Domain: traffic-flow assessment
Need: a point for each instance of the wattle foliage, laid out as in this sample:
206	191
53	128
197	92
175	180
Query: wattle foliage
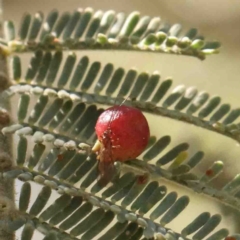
54	107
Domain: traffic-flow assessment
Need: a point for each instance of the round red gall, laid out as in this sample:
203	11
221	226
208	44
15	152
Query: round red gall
123	132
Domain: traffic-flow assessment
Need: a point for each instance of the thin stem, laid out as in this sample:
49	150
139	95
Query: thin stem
22	47
161	111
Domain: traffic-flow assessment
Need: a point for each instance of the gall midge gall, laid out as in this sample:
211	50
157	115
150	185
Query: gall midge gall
60	157
209	172
230	238
123	134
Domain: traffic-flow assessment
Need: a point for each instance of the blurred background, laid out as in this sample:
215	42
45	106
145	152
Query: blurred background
218	74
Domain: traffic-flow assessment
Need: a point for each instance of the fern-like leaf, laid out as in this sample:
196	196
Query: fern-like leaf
86	29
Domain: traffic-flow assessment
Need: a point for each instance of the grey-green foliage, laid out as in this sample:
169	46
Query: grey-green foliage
54	113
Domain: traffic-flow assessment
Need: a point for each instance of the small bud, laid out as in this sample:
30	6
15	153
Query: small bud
85	147
70	145
15	46
197	44
63	94
50	92
102	39
171	41
113	41
150	39
161	36
58	143
184	43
